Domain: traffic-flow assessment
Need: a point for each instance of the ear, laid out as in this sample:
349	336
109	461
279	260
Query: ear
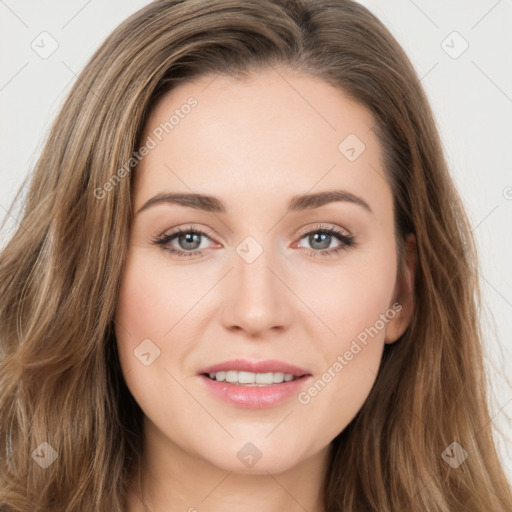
403	293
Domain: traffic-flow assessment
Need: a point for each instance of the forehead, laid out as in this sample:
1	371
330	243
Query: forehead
276	130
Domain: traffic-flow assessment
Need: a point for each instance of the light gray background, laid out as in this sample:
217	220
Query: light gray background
471	95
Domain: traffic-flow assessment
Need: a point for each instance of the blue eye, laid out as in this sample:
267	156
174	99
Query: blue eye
323	236
189	237
189	240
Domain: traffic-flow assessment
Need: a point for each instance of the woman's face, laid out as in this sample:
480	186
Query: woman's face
260	278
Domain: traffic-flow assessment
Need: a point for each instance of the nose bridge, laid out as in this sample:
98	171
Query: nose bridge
252	262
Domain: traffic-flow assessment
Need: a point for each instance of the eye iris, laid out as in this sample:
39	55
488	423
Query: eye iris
188	238
323	245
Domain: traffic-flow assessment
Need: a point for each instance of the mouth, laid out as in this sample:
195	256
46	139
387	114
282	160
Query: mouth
254	385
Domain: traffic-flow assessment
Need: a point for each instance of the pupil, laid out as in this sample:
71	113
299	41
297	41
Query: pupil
323	244
189	239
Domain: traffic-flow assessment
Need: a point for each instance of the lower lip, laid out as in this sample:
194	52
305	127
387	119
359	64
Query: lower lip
254	397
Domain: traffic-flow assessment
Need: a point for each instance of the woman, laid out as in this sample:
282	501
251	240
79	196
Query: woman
246	370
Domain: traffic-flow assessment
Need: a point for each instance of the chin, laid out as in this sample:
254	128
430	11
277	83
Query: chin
256	458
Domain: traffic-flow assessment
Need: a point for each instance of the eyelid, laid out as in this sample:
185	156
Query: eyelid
186	229
320	226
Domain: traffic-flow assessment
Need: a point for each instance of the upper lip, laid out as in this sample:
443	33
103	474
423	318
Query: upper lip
267	366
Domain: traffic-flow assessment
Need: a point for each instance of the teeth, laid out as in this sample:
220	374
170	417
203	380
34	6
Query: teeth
246	378
252	379
279	377
231	376
265	378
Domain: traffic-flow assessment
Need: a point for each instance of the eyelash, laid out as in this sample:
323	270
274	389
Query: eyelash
347	240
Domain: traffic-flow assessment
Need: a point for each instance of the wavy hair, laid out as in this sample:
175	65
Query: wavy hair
60	379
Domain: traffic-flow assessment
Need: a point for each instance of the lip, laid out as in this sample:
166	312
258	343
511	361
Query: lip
255	397
243	365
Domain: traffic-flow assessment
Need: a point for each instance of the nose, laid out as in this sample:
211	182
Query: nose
257	299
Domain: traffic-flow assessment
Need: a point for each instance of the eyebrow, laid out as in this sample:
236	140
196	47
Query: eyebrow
297	203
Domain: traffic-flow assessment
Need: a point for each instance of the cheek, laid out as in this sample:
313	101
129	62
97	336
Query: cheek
351	362
351	298
147	308
357	310
156	302
142	316
148	303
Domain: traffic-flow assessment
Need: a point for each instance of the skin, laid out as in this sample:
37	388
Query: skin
254	144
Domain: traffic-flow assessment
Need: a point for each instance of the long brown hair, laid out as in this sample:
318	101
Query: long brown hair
60	380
